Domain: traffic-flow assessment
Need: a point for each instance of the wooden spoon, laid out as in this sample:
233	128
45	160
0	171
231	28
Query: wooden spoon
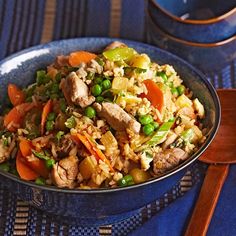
219	155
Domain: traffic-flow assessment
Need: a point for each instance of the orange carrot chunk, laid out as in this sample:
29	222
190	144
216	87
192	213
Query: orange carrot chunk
13	120
46	110
154	94
24	170
15	94
25	147
76	58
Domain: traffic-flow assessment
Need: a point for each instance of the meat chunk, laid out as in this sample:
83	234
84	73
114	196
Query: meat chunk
61	61
64	147
115	44
76	91
168	159
64	172
116	117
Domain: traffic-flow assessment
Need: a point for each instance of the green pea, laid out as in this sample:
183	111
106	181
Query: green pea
146	119
63	106
96	90
5	167
148	129
181	89
122	182
51	116
99	99
163	75
175	91
155	125
106	84
98	80
90	112
49	163
40	181
49	125
128	178
125	181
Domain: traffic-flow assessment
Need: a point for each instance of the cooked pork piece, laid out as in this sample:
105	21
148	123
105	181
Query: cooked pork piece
168	159
64	172
115	44
117	118
61	61
76	91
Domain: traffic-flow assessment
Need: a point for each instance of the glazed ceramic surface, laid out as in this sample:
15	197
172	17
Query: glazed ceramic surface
196	20
206	57
101	206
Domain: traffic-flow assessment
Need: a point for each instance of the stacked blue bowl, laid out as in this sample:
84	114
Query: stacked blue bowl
202	32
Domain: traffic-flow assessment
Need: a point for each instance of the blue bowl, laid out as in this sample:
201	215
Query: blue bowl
198	21
101	206
208	57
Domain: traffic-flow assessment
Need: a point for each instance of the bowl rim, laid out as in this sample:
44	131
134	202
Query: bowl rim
190	43
194	22
169	173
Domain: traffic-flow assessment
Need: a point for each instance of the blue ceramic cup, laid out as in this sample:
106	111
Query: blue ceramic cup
201	21
208	57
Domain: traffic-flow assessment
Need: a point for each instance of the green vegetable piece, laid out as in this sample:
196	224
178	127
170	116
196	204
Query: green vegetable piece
90	112
187	135
163	75
148	129
96	90
58	77
125	181
98	80
90	76
100	61
49	163
63	105
106	84
175	92
51	116
146	119
42	77
49	125
119	54
5	166
99	99
40	181
128	178
181	89
40	155
70	122
59	135
55	88
155	125
160	134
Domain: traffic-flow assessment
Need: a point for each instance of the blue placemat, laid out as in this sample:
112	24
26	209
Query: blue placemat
18	218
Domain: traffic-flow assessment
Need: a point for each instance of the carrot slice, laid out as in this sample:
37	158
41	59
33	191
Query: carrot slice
46	110
91	146
15	94
38	166
35	164
16	115
25	147
24	170
81	138
76	58
154	94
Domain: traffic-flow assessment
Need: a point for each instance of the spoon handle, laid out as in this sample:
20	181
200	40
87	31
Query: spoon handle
207	200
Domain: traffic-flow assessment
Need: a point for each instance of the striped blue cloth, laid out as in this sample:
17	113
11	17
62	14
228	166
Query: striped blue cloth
24	23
